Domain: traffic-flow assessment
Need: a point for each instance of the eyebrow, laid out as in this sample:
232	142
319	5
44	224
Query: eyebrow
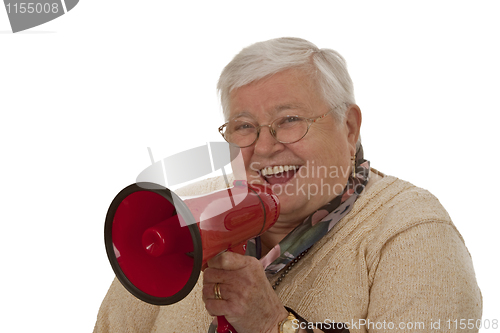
289	106
241	114
276	110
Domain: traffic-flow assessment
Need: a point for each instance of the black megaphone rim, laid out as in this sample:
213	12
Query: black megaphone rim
180	208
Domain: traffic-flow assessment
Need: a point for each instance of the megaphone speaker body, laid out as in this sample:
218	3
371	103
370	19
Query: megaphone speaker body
158	244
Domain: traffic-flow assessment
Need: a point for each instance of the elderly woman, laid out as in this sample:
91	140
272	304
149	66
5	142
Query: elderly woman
351	245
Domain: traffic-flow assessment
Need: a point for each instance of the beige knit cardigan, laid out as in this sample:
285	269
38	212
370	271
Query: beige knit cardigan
395	263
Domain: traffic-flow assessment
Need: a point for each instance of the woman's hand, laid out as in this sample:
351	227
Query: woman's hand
248	301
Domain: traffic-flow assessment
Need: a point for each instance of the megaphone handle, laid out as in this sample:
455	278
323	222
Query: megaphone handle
223	326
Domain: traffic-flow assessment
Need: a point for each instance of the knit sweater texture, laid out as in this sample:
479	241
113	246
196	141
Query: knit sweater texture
395	263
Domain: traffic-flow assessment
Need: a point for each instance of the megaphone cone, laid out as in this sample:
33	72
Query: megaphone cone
157	244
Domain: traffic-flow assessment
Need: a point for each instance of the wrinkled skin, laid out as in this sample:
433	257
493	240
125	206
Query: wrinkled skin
249	302
254	308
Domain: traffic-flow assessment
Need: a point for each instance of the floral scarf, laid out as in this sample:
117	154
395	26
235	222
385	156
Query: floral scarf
316	225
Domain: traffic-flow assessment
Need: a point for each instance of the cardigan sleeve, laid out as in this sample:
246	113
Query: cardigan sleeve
120	311
424	281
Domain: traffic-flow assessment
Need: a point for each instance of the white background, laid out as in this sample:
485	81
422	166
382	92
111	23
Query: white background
83	96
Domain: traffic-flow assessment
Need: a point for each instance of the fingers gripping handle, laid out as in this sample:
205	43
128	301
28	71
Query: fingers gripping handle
223	326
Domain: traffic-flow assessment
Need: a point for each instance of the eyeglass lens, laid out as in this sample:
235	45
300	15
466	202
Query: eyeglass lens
286	130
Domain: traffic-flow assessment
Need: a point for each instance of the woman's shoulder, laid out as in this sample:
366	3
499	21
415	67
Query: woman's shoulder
401	197
392	205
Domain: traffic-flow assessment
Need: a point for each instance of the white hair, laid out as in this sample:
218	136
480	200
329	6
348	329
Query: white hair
326	67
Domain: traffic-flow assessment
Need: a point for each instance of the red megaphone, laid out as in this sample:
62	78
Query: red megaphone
157	243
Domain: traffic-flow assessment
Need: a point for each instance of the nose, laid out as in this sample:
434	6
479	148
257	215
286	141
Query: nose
266	143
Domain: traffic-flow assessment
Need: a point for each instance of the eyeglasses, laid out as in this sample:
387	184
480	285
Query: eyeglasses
287	129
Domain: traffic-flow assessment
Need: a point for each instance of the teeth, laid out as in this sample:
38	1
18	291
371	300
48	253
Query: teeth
277	169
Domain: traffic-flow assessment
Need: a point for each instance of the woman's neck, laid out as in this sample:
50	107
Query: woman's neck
274	235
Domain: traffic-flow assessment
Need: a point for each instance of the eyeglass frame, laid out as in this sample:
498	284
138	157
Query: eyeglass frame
310	121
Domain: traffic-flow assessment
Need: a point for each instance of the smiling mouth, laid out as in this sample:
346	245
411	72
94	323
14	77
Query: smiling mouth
279	174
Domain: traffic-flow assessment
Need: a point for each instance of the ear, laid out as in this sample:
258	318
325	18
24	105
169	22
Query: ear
353	124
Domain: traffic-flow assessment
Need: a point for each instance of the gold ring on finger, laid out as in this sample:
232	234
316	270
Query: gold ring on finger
217	291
